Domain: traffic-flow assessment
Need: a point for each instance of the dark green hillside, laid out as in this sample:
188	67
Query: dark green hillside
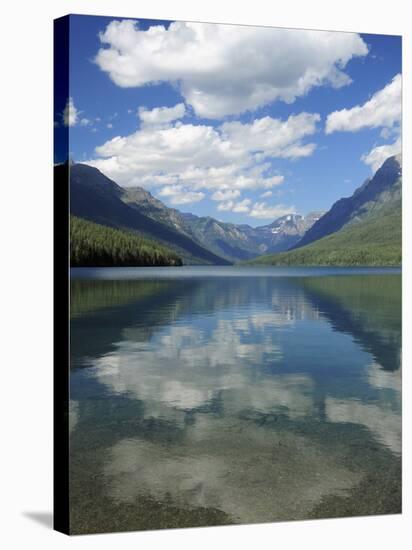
374	241
95	245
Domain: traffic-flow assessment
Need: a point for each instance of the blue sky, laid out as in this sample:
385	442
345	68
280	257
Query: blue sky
258	122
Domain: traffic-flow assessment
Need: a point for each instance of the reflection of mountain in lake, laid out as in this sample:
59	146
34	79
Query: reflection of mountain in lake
101	310
141	306
368	308
223	400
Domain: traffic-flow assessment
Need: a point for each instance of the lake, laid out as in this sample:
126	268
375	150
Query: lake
214	395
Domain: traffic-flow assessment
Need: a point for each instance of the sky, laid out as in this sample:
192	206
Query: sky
244	124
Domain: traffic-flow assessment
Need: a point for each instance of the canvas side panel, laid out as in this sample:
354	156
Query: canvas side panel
61	277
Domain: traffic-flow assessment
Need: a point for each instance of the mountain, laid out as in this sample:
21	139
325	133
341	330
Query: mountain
237	242
234	242
372	234
223	239
286	231
231	241
145	203
196	239
96	198
382	189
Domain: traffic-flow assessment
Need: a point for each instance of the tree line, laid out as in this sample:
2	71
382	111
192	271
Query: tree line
95	245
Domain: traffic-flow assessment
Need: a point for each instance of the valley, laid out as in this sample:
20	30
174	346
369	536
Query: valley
363	229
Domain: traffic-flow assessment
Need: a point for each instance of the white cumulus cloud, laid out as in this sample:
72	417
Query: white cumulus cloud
383	109
242	207
226	194
259	210
274	137
226	69
70	113
225	160
377	156
179	195
162	115
85	122
265	212
225	206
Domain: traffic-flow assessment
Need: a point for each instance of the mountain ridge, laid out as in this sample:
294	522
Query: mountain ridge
229	240
372	234
204	239
368	196
95	197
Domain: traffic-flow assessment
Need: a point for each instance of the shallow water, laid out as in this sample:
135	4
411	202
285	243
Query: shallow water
204	396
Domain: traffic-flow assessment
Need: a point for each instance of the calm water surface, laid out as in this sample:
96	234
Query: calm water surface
204	396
